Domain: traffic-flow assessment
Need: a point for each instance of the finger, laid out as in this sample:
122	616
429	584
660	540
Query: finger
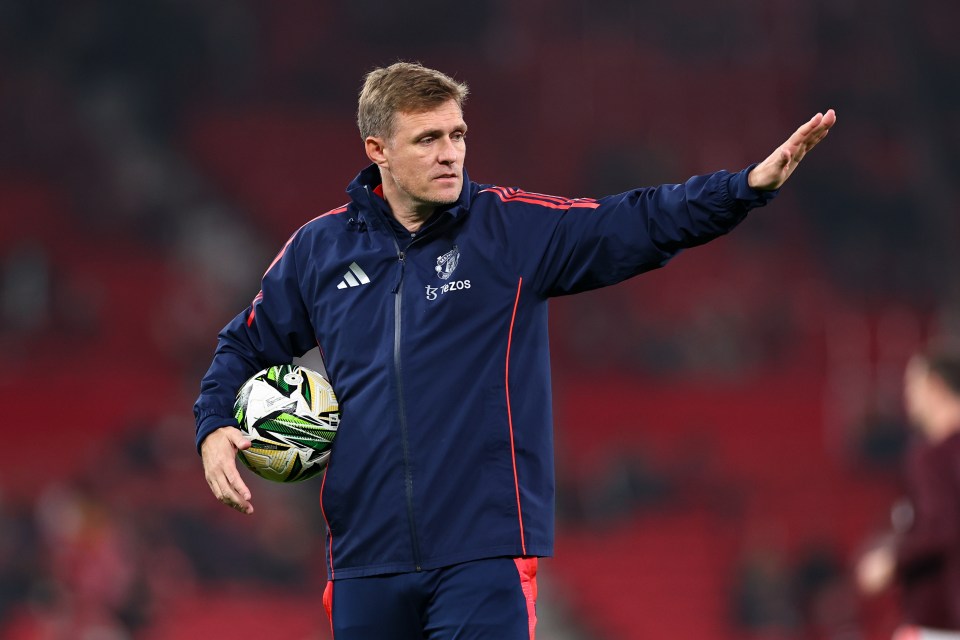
233	488
231	497
813	140
214	488
829	118
826	122
237	484
814	127
229	467
803	140
811	144
820	130
228	487
816	140
808	127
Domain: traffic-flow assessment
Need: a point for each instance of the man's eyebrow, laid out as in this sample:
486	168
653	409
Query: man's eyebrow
436	133
432	133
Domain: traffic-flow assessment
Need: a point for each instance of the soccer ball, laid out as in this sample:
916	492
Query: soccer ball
290	415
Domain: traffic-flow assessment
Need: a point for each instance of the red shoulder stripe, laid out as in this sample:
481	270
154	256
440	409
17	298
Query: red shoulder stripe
550	202
253	308
532	194
332	212
279	255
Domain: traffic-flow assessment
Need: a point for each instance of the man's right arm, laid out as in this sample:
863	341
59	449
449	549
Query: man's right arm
274	329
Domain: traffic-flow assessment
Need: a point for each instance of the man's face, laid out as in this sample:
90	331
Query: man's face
425	156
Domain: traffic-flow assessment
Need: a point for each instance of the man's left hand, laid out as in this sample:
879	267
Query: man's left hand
774	171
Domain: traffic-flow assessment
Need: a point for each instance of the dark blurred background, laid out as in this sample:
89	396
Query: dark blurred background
729	429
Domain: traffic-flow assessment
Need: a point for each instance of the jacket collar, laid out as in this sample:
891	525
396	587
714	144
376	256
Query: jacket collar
361	190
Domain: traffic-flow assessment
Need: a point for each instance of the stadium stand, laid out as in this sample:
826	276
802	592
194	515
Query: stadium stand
738	382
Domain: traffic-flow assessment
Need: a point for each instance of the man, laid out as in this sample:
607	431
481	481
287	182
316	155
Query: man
426	294
923	555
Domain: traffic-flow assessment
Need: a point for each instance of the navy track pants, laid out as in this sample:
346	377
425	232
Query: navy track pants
494	598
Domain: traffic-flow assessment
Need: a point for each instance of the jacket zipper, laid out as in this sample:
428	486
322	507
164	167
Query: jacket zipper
401	406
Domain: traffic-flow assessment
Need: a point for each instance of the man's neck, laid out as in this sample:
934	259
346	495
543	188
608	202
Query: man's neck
411	215
414	220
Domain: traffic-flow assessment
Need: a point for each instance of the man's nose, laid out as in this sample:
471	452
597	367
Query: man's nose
448	151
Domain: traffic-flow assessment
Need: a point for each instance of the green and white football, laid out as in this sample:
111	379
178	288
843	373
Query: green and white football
290	415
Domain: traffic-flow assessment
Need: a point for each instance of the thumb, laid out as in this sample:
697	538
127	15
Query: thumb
239	440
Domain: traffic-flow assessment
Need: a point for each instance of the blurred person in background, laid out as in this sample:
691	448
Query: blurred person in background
427	296
921	557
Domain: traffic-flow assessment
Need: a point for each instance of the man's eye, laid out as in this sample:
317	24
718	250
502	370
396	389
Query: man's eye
426	140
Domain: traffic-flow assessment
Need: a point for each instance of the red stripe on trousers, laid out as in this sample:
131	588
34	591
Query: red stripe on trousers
527	568
328	603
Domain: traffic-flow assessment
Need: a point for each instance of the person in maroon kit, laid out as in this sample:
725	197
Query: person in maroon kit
922	556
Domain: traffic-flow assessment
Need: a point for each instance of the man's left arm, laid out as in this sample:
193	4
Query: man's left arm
596	243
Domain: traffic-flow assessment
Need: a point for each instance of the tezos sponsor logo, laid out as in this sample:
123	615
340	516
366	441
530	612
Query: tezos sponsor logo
456	285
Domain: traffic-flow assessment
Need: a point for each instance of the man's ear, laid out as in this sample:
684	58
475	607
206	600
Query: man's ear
375	150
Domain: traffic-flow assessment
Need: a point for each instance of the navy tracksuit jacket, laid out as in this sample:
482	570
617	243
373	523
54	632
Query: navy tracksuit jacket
436	346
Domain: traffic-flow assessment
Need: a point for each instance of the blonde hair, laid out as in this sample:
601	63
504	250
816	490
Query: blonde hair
407	87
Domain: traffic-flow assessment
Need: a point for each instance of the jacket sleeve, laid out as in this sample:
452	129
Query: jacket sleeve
273	330
586	244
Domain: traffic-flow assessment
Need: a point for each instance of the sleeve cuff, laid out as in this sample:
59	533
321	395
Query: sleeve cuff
211	423
739	190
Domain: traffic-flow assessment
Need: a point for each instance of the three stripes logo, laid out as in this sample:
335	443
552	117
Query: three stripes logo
354	277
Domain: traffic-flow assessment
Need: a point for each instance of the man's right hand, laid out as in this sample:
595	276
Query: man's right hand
219	454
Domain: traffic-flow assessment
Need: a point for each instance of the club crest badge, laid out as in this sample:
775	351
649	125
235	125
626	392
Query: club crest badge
447	263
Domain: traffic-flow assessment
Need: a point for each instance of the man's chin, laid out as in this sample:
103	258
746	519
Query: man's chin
444	199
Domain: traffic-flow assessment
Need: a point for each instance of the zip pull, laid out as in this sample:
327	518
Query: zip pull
402	259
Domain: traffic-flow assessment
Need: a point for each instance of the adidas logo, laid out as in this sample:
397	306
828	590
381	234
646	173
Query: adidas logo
354	277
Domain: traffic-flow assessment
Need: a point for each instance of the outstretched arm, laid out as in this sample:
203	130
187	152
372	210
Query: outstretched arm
779	165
